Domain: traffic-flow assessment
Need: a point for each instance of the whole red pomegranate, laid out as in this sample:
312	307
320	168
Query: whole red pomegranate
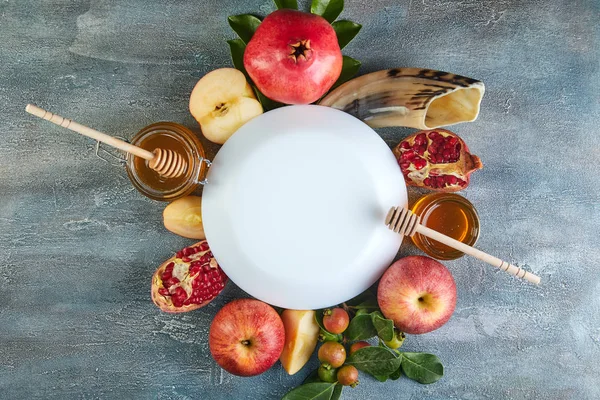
293	57
189	280
437	159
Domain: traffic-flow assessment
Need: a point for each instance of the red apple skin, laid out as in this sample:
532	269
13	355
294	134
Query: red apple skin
267	57
410	279
246	337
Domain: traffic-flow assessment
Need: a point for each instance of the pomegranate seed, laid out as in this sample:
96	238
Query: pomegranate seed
453	141
408	155
179	254
194	270
205	278
188	251
405	145
170	282
405	165
434	135
420	163
164	292
177	302
166	275
205	258
433	149
421	139
186	259
203	246
451	179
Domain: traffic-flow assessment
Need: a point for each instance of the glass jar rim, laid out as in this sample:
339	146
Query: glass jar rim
192	146
435	200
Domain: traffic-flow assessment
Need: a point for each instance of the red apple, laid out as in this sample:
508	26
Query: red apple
293	57
418	293
246	337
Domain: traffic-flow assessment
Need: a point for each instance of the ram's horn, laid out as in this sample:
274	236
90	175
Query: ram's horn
413	97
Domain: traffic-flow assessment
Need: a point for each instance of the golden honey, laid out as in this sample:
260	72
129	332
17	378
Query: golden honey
166	135
450	214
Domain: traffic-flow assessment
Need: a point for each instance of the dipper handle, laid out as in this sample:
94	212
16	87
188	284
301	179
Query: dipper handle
407	223
89	132
167	163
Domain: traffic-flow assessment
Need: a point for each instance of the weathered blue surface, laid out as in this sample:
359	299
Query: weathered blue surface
78	245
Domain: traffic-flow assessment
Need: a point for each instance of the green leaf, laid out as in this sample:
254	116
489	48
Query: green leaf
244	25
311	391
319	319
381	378
345	31
293	4
376	361
312	377
422	367
350	68
366	305
266	102
385	327
396	374
337	392
360	328
367	297
328	9
237	47
326	336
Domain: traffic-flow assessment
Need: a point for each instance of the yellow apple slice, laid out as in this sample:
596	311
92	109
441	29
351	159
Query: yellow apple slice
183	217
301	335
221	102
221	123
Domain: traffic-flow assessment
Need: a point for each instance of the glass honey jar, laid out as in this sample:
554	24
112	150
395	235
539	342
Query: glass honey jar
172	136
450	214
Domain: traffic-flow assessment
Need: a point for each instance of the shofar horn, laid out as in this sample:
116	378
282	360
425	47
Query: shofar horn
413	97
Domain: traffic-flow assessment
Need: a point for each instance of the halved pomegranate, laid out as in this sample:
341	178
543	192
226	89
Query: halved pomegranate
189	280
437	159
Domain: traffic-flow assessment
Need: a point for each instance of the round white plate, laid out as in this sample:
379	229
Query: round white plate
295	205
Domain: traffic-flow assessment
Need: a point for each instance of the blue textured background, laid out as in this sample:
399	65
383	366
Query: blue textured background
78	244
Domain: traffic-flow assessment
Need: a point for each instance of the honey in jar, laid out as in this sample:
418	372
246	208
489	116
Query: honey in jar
450	214
172	136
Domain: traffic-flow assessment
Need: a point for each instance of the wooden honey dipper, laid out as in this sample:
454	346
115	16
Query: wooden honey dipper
167	163
407	223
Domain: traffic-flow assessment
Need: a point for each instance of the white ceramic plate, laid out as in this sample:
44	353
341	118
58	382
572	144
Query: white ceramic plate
295	204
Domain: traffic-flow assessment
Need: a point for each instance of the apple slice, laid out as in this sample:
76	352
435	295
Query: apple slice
183	217
221	102
301	335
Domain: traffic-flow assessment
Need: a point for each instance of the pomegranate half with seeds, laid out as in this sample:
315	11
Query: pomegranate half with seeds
189	280
436	159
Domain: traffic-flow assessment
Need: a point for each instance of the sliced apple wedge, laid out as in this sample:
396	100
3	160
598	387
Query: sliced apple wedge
183	217
221	102
301	335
